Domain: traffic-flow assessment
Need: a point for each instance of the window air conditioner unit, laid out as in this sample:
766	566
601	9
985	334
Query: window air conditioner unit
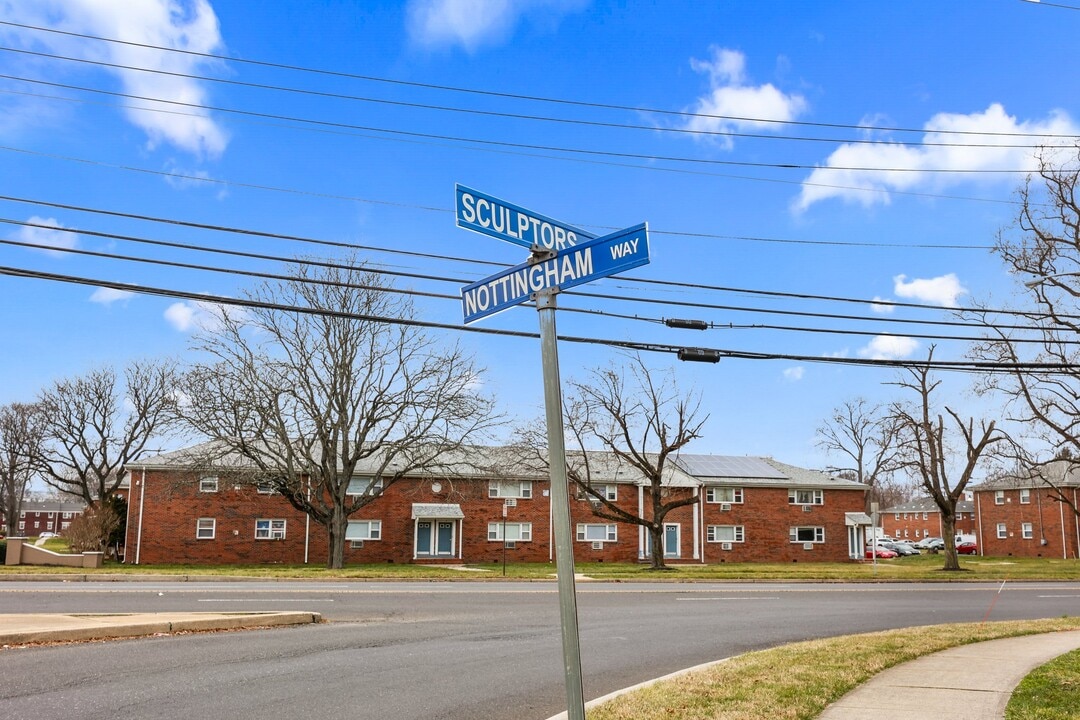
598	545
808	546
807	508
725	546
510	502
357	544
725	507
510	544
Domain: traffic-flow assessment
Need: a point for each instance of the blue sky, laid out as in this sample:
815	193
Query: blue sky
761	206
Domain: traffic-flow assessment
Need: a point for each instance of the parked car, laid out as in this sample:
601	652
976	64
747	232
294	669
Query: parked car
48	535
883	553
967	548
928	543
902	548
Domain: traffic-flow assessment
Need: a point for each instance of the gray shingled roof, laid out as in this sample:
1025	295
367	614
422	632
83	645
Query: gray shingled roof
926	504
1062	473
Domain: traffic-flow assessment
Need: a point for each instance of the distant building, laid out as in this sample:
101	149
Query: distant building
41	516
921	518
1022	515
750	509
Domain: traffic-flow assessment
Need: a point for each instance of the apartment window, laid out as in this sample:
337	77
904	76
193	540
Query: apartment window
269	529
1027	530
364	485
1025	496
67	516
265	488
597	533
359	530
723	495
725	533
905	532
905	516
208	484
1002	532
65	526
36	524
999	497
510	489
204	528
925	516
806	497
608	492
896	516
511	531
807	534
22	525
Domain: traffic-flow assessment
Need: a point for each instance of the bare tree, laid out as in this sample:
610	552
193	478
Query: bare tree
1042	250
312	400
628	415
868	436
20	443
926	452
95	424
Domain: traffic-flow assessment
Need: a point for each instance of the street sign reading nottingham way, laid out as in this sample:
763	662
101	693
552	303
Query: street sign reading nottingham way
582	263
489	215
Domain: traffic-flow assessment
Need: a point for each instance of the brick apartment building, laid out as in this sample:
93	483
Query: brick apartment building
1024	516
53	516
751	509
921	518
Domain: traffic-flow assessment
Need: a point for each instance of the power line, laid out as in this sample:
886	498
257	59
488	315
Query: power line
510	115
526	146
518	96
969	366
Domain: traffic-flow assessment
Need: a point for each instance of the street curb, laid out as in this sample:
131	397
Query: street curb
112	626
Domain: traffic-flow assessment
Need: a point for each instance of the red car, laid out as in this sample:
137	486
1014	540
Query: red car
967	548
882	552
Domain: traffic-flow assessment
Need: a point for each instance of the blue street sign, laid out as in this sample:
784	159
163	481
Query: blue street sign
588	261
485	214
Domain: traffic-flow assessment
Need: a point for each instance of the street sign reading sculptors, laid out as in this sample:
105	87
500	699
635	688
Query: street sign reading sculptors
489	215
587	261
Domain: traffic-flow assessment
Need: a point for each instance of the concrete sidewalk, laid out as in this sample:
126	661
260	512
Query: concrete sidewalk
970	682
19	629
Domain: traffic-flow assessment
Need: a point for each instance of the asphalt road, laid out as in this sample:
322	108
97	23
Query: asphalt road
444	650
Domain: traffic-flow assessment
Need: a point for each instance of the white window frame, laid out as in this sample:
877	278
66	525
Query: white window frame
515	531
208	484
817	530
361	484
67	516
713	534
817	497
1027	530
22	525
609	491
999	497
373	530
264	488
716	494
1025	496
205	528
925	515
502	489
1002	531
269	529
609	530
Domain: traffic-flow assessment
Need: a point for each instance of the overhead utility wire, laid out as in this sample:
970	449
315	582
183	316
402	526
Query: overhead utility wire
434	256
527	146
516	96
510	115
496	151
462	281
977	366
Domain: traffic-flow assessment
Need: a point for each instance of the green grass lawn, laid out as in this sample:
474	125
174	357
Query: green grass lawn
1050	692
921	568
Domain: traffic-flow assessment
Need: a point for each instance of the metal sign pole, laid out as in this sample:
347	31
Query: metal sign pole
560	507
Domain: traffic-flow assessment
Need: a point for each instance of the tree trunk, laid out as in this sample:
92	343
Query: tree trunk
656	535
335	529
948	524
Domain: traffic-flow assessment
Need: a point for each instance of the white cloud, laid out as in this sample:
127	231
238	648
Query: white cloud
908	167
886	347
475	23
838	354
741	105
52	240
107	296
943	290
197	315
794	374
181	24
880	305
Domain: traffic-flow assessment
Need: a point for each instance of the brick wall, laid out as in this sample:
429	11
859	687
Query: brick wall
1049	519
913	526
